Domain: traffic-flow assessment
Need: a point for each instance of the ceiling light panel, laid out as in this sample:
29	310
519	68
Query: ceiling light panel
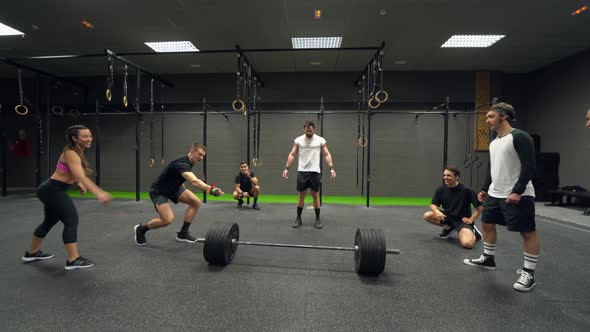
472	40
317	42
172	46
5	30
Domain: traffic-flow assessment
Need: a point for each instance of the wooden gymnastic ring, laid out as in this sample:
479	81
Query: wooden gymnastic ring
373	106
236	108
125	101
57	110
18	108
381	100
362	141
109	95
151	163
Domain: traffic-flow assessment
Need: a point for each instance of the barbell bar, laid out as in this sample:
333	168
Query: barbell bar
222	240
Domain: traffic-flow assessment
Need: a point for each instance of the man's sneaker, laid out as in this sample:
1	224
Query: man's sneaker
185	237
483	261
297	223
255	206
445	233
478	235
318	223
525	282
138	236
79	263
240	202
38	256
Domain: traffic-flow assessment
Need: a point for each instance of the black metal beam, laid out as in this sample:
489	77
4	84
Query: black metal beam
3	149
138	67
356	82
40	140
97	141
42	72
250	50
205	143
138	133
256	75
321	116
369	116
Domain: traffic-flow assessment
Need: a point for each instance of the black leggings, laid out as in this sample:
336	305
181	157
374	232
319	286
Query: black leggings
58	206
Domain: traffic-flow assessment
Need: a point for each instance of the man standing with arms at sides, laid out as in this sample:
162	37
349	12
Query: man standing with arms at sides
309	146
508	194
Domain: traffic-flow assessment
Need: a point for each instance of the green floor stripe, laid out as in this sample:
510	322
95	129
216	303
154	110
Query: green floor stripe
290	199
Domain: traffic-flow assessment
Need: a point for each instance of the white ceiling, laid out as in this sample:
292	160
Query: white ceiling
537	33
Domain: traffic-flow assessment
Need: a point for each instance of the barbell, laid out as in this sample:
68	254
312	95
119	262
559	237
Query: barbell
222	240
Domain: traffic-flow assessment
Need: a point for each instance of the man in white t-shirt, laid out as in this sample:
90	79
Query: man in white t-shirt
508	194
309	146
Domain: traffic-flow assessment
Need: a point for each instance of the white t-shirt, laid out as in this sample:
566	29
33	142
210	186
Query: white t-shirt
512	165
310	150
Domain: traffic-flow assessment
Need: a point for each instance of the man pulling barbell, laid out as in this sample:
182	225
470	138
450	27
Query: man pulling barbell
170	186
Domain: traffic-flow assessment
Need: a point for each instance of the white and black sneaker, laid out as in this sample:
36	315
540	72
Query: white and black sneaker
79	263
446	232
525	282
37	256
185	237
483	261
139	236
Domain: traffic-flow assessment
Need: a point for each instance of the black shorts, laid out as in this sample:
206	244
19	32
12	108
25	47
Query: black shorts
516	217
159	198
456	223
250	191
310	180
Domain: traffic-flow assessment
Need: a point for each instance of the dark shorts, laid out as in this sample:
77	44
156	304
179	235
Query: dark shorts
456	223
159	198
250	191
308	180
516	217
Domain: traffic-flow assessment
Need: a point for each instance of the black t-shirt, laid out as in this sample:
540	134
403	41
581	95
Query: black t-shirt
456	201
171	177
245	181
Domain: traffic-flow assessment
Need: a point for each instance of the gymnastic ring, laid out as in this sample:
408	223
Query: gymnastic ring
18	109
57	110
74	112
256	162
163	161
125	101
151	163
373	106
236	108
381	100
109	95
362	142
466	163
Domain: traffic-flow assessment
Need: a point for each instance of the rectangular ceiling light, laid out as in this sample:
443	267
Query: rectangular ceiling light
5	30
172	46
317	42
472	40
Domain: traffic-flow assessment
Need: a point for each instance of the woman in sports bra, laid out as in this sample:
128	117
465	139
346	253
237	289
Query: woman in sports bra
71	167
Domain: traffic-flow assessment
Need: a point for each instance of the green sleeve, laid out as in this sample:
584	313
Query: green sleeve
525	149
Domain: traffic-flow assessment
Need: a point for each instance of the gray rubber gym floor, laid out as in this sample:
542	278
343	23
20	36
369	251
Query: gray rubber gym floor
167	285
